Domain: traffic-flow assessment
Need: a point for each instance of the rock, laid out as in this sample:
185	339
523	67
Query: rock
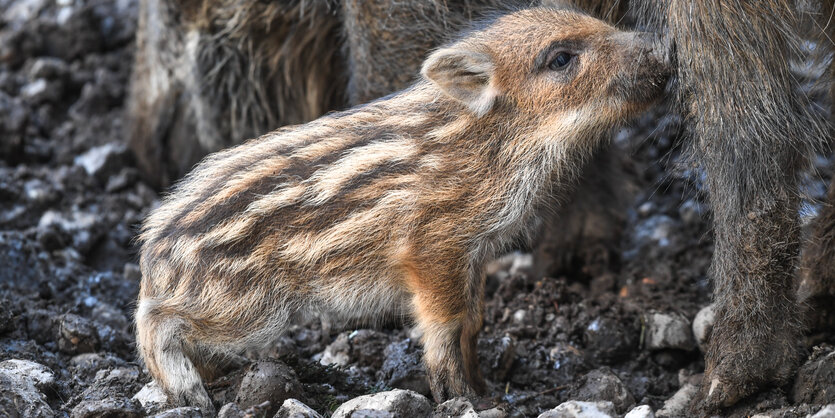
38	374
578	409
497	412
21	382
49	68
39	193
826	412
567	361
403	367
103	161
126	178
107	314
642	411
181	412
678	405
611	341
268	380
338	352
88	364
22	268
151	397
40	91
293	408
109	407
519	317
76	335
108	395
815	381
85	228
703	325
370	413
41	325
396	402
603	385
363	347
668	330
455	408
230	410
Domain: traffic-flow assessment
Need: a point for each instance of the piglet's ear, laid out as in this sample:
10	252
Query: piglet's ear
463	74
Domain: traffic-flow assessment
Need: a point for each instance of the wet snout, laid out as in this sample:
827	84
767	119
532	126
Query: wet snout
645	48
644	66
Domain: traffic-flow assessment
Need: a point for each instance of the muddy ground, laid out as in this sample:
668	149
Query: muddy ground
71	200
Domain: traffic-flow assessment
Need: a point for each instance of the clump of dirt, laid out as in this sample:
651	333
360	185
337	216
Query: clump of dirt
71	200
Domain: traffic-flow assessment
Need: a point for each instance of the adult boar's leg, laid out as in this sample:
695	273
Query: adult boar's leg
817	278
817	284
751	132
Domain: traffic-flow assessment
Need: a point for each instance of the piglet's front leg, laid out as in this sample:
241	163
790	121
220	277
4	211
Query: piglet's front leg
450	319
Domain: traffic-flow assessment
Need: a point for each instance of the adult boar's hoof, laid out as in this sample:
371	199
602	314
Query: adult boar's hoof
744	358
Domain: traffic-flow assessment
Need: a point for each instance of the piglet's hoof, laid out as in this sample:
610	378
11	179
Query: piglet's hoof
445	387
715	395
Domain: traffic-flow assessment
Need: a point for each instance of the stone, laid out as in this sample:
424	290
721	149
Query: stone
109	315
364	348
109	395
703	325
602	385
642	411
152	398
108	407
396	402
268	381
455	408
40	91
88	364
826	412
337	353
293	408
612	340
103	161
21	382
41	376
48	68
181	412
678	405
76	335
668	330
579	409
815	381
403	367
568	362
84	228
230	410
497	412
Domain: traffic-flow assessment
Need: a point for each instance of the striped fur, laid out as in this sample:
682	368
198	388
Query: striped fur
387	209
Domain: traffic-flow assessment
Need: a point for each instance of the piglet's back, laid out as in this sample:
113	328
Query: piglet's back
297	204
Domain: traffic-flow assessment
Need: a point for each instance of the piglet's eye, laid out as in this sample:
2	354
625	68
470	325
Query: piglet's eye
560	61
